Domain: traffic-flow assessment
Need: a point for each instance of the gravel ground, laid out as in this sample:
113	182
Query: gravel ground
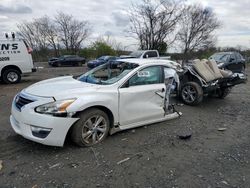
149	156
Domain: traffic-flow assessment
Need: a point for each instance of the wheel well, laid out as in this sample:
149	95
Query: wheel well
11	67
188	77
108	112
103	108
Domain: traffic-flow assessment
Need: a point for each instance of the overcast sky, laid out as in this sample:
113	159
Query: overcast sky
109	17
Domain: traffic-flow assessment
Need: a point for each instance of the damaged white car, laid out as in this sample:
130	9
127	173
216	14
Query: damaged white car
123	94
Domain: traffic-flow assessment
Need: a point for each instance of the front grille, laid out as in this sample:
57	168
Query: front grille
21	101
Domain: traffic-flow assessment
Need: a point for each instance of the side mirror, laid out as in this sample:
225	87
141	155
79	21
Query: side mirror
125	85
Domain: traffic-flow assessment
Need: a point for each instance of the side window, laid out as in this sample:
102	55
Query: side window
239	57
232	58
146	55
149	75
152	54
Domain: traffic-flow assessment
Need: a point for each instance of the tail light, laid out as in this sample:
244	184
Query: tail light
29	50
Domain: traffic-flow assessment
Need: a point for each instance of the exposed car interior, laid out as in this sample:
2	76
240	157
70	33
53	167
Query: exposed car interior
108	73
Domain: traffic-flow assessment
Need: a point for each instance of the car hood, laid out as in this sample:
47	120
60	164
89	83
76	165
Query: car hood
60	86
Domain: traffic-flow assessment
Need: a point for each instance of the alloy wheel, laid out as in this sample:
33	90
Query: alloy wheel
94	129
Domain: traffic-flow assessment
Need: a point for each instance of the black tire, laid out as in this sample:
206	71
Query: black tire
191	93
223	92
79	64
11	76
58	64
81	127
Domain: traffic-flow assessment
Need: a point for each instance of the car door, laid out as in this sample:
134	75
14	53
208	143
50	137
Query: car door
140	98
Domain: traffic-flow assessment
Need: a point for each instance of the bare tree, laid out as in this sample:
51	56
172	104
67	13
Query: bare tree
47	29
71	32
40	34
26	32
153	22
196	28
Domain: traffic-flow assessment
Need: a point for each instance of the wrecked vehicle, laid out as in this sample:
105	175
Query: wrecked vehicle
205	78
105	100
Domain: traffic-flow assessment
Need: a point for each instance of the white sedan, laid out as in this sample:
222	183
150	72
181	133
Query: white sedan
116	96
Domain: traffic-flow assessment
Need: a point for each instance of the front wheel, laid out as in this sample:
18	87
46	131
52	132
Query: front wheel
11	76
91	128
191	93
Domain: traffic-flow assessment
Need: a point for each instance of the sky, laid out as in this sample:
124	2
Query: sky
109	17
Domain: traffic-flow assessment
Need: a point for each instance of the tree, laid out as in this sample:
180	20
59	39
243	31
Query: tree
196	28
102	48
153	22
48	29
72	32
26	31
40	34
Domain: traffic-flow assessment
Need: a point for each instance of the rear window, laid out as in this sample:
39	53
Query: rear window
150	54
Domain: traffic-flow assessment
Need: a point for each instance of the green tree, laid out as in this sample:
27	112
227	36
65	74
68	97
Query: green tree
102	48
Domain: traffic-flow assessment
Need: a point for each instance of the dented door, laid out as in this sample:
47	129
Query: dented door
142	99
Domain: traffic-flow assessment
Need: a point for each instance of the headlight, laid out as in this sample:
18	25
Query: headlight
57	108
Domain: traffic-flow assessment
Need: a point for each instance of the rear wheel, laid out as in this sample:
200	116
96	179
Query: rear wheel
191	93
11	76
91	128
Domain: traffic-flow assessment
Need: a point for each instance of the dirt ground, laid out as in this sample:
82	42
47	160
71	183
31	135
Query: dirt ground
154	155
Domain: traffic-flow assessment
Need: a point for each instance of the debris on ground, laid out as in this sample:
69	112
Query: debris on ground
95	154
74	165
224	182
222	129
1	164
55	165
184	134
139	155
179	104
124	160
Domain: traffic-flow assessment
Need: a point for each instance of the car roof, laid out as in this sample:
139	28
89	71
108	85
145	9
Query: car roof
225	52
146	61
